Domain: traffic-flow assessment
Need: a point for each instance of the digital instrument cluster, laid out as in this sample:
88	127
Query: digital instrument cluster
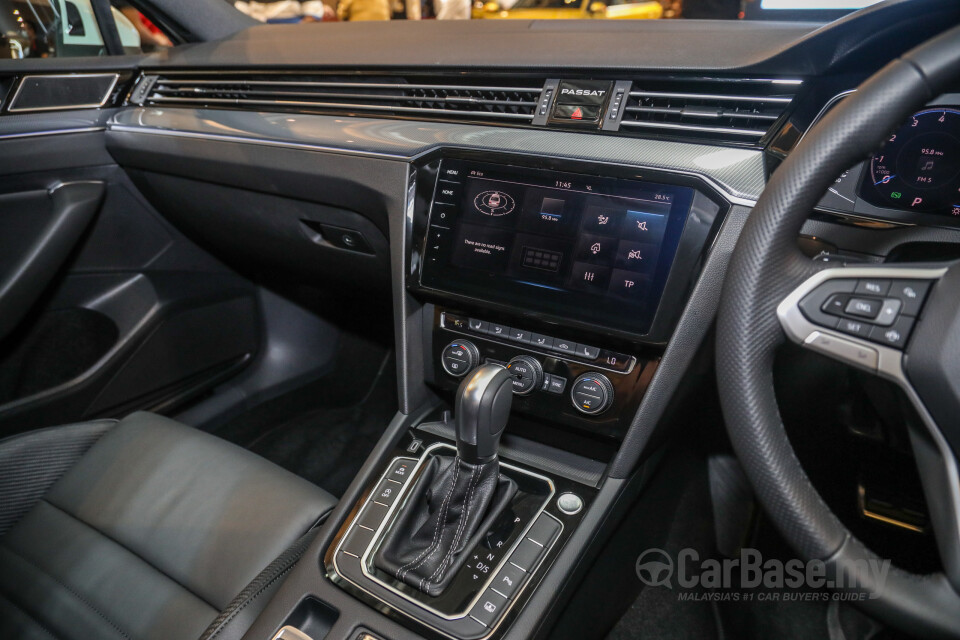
918	169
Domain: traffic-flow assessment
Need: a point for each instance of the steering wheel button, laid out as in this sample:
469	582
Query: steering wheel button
888	312
846	350
836	304
873	287
814	307
895	335
911	293
863	307
854	327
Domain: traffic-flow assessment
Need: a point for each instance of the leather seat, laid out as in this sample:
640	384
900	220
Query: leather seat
143	529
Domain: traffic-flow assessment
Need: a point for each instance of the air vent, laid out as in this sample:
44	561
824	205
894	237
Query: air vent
741	110
477	99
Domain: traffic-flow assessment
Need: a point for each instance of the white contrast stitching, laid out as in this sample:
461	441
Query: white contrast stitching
464	517
407	568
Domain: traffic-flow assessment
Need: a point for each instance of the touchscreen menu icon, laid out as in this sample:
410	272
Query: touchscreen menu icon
641	225
541	259
602	220
552	210
494	203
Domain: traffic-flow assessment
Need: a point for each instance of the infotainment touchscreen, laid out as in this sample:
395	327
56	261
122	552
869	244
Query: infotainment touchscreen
592	248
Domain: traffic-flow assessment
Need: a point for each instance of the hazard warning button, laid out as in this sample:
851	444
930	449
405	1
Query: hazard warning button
576	112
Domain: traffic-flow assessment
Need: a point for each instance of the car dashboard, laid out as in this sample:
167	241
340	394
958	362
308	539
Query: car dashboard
567	212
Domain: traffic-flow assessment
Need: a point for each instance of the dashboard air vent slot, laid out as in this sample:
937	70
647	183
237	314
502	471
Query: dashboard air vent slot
741	110
465	98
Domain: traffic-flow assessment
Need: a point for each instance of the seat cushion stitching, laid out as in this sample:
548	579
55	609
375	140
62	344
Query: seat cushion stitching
134	553
70	590
31	616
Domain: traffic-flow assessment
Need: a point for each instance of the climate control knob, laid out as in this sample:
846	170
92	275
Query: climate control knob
527	374
459	358
592	393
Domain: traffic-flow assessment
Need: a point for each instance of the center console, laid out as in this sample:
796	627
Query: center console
562	286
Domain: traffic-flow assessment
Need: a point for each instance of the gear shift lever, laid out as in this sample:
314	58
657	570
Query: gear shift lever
456	499
482	410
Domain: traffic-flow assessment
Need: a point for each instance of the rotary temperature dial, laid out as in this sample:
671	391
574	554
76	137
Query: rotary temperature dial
459	358
527	374
592	393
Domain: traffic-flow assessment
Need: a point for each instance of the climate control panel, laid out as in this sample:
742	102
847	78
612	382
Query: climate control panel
575	384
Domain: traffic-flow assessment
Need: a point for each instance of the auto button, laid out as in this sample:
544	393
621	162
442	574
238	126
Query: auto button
526	374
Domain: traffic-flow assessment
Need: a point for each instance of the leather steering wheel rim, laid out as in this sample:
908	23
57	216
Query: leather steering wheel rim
765	267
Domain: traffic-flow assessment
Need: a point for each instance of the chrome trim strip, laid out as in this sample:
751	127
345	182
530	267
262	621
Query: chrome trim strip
691	127
493	573
829	105
341	105
709	96
291	633
889	364
362	85
53	132
702	112
196	135
13	101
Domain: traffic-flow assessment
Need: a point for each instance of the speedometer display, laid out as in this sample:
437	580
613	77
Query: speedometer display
918	169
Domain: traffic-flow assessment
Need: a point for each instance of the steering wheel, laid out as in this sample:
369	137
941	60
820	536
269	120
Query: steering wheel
773	292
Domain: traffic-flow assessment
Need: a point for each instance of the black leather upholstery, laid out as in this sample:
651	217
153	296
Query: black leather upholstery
453	503
152	533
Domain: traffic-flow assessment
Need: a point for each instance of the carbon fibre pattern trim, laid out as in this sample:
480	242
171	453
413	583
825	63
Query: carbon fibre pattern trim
30	463
737	172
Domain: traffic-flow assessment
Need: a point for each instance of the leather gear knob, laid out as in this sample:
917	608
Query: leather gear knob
482	410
